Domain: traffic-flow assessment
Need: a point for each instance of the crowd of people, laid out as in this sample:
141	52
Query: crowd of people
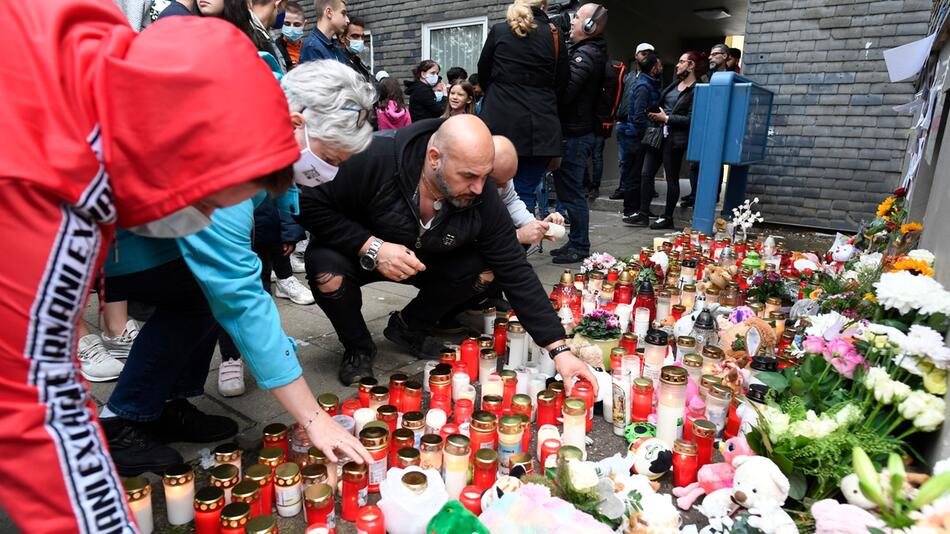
192	168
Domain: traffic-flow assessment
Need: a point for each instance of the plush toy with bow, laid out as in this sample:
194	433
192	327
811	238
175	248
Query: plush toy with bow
712	477
760	488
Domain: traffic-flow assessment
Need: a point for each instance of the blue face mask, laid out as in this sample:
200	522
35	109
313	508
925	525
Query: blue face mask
357	47
439	96
292	34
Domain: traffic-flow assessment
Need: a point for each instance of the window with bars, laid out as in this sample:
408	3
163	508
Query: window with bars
455	43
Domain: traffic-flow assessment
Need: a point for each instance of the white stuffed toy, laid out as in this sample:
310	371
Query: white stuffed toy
759	486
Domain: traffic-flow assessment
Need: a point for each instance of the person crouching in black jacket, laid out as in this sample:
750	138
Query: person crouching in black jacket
415	208
676	109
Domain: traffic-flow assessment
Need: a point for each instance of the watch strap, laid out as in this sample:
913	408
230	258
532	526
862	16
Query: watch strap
557	350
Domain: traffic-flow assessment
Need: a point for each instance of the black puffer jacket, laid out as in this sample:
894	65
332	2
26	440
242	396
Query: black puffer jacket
422	102
680	116
586	63
372	196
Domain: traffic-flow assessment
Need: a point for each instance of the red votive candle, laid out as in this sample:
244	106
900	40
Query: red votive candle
208	504
685	463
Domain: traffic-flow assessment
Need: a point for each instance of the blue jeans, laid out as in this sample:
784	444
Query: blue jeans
597	165
627	147
530	171
569	183
170	356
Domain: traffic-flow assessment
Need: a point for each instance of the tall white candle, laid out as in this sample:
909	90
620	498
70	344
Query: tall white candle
641	322
492	385
179	483
459	381
435	420
517	346
426	369
138	492
624	311
363	416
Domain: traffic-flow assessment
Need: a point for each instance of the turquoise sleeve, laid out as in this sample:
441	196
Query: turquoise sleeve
229	273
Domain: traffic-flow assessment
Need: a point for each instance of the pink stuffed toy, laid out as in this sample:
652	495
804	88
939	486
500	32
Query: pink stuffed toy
714	476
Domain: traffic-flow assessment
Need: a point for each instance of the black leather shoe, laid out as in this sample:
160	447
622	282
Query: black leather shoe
663	223
449	325
560	250
617	195
687	202
356	364
637	219
182	421
593	193
569	257
133	449
415	342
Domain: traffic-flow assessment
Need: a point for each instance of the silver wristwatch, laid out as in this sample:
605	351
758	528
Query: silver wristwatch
368	260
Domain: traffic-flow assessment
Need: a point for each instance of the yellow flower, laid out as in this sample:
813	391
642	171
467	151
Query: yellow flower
884	208
870	298
911	227
816	294
912	265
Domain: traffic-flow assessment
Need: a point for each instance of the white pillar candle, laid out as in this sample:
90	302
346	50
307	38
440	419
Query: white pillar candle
545	433
671	404
547	368
641	322
492	385
426	369
488	321
435	420
522	387
487	363
361	417
517	346
624	311
467	392
459	381
138	493
179	483
536	384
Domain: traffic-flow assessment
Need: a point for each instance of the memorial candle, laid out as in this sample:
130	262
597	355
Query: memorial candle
247	491
275	435
397	384
228	453
431	452
642	405
179	484
225	476
366	384
370	520
654	354
574	416
455	461
671	404
234	517
469	356
355	480
287	490
517	346
330	403
487	363
685	464
313	474
376	441
261	475
411	397
318	500
138	493
501	337
208	504
704	434
264	524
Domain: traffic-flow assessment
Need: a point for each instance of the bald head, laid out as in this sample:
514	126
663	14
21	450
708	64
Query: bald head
459	158
506	160
585	12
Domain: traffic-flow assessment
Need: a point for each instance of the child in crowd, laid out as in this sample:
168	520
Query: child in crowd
461	99
391	108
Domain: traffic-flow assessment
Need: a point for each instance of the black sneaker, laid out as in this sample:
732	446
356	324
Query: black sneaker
617	195
356	365
182	421
415	342
663	223
688	201
569	257
450	325
560	250
637	219
134	450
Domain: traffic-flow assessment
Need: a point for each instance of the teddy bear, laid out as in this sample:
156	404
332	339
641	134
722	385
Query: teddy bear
832	517
759	487
714	477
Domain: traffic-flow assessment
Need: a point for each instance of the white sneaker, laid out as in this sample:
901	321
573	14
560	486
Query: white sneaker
97	364
297	263
120	345
231	378
291	288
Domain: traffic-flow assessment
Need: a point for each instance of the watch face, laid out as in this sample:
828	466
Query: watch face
368	262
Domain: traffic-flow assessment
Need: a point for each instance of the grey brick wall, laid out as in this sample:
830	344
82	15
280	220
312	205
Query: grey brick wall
397	26
837	146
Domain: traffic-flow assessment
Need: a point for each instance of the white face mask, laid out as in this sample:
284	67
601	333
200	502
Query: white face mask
432	79
184	222
310	170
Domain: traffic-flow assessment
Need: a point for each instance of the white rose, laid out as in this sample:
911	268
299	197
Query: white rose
583	475
929	420
914	405
922	255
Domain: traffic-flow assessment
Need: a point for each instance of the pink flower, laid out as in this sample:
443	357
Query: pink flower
814	344
840	348
844	367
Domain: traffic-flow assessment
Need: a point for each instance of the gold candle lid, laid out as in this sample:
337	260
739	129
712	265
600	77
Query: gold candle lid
431	443
379	393
777	315
557	387
262	524
568	452
177	475
508	375
367	383
488	354
408	455
521	458
413	388
491	401
415	481
457	444
328	401
521	400
515	326
403	435
259	473
387	411
136	488
318	495
703	428
440	378
380	424
235	514
692	360
486	458
271	456
687	448
486	342
314	473
246	491
567	278
413	420
620	351
374	437
275	431
720	391
227	452
574	406
546	397
708	381
398	379
641	384
774	301
355	472
713	352
483	421
673	375
209	499
287	474
510	424
686	341
316	456
224	476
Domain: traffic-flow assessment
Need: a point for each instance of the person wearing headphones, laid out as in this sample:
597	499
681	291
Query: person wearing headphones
587	58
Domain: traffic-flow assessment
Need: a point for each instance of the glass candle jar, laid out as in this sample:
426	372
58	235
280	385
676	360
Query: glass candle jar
761	364
208	504
486	469
400	438
657	341
779	318
706	382
471	499
261	475
693	363
288	490
276	435
646	298
408	456
772	304
138	493
704	434
468	355
517	345
688	271
671	404
584	390
329	402
509	381
487	363
521	405
318	457
224	476
677	312
411	397
455	460
234	516
557	387
349	406
440	383
462	414
685	463
676	295
547	453
431	452
362	417
397	384
629	342
247	491
264	524
521	464
509	440
272	457
435	420
688	297
713	357
179	484
313	474
366	384
500	338
621	387
447	430
376	441
547	414
616	358
228	453
355	482
460	381
318	501
641	322
684	346
663	305
493	404
388	414
575	423
378	396
717	405
605	295
758	308
488	320
370	520
415	421
642	405
595	281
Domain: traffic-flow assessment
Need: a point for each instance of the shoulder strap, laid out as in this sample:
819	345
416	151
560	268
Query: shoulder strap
557	42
